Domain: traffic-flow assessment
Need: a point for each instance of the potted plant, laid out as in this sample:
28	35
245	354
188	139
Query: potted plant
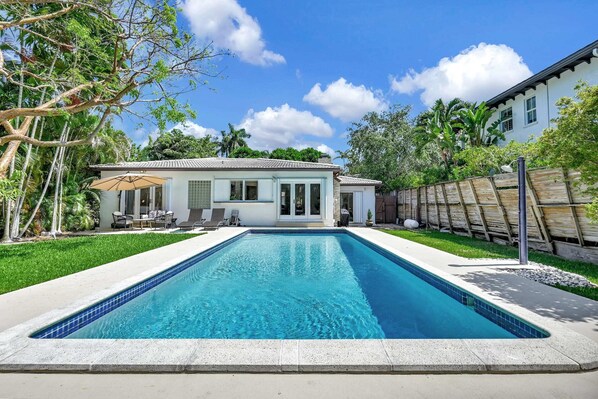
369	222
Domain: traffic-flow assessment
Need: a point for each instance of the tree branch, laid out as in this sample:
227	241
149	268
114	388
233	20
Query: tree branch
37	18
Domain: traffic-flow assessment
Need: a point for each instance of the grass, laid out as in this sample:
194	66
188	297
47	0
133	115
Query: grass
473	248
22	265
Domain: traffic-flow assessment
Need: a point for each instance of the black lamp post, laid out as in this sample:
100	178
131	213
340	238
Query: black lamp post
522	212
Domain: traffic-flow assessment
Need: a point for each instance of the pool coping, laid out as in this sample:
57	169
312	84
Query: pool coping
563	351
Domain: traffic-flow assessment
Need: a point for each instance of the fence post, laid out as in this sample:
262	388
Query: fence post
538	213
427	213
501	209
446	205
573	211
437	210
465	215
480	210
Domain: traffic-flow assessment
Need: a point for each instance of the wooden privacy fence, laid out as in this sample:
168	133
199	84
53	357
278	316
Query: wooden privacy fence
487	207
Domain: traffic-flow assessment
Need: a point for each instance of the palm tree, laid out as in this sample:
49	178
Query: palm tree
473	122
442	126
233	139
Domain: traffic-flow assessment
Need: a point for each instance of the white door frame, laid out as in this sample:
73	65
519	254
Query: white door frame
307	214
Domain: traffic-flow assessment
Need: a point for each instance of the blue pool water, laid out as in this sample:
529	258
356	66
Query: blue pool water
293	286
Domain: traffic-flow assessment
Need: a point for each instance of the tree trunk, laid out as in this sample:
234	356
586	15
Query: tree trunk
19	202
43	193
55	228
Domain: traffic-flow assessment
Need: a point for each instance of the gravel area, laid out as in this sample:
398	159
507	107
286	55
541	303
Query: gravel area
552	276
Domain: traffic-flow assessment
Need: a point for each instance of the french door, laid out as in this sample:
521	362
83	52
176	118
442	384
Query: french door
300	200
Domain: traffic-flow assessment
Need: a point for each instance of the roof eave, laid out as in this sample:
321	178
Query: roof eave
556	69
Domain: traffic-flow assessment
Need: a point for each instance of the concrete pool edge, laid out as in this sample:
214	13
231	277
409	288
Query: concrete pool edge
563	351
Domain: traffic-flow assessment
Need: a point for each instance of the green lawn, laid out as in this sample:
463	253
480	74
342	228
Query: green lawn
22	265
474	248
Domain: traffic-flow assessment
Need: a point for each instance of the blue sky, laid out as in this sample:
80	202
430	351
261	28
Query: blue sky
365	55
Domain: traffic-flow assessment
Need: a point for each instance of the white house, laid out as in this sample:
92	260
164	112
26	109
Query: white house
527	108
267	192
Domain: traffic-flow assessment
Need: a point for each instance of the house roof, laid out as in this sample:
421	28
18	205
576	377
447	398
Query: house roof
357	181
219	164
567	63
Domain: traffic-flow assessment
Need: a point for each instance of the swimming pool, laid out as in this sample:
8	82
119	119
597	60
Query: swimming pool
293	285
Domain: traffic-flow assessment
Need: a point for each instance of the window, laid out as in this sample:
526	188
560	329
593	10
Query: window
243	190
506	120
530	110
236	190
251	190
199	194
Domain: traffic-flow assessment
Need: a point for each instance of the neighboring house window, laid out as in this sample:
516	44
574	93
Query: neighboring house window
506	120
236	190
530	110
250	190
199	194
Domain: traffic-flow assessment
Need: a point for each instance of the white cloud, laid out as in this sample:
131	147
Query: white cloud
283	126
477	73
324	148
345	101
193	129
228	25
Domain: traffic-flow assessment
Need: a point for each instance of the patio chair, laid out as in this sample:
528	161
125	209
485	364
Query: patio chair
194	220
234	218
120	221
164	221
216	220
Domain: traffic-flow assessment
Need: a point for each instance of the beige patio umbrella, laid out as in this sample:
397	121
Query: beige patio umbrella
128	181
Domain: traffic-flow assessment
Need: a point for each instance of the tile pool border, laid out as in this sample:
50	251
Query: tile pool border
563	351
67	326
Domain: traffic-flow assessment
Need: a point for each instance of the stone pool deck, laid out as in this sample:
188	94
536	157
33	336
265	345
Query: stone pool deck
575	319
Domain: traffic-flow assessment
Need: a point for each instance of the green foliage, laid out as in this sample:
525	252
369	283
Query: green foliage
246	152
174	144
27	264
573	142
473	248
473	121
383	146
306	155
369	214
231	140
486	161
9	187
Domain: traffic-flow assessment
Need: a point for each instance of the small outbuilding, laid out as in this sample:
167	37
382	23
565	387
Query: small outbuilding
358	196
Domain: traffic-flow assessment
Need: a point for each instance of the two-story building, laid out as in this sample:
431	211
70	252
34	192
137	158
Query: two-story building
527	108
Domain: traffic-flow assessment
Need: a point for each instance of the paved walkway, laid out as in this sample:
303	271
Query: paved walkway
577	313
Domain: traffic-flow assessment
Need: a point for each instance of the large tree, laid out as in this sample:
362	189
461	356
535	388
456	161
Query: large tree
64	57
382	146
175	144
573	141
233	139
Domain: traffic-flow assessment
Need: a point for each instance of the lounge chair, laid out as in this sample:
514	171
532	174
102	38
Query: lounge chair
194	220
164	220
120	221
216	220
234	218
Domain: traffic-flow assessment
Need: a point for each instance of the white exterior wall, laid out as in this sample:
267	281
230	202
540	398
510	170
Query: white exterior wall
546	98
368	200
263	212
